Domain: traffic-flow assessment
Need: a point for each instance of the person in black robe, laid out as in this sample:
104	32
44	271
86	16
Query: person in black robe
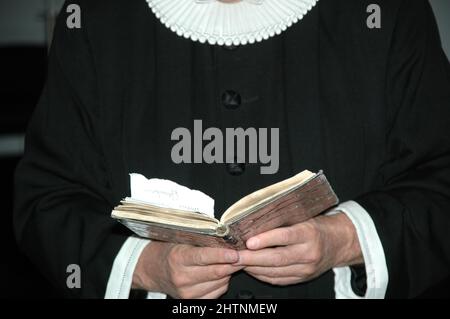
369	106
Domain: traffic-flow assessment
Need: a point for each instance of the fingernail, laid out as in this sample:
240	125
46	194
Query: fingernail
232	257
253	243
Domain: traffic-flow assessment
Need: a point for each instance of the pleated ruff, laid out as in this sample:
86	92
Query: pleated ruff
220	23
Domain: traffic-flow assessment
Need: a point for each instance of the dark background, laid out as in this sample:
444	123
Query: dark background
25	31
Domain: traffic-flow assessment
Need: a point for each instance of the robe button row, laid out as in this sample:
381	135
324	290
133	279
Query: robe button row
231	99
245	294
236	169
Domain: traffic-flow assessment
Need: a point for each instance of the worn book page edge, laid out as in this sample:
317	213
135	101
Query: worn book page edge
133	225
178	221
129	204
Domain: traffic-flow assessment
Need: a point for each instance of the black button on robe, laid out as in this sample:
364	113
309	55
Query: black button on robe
371	107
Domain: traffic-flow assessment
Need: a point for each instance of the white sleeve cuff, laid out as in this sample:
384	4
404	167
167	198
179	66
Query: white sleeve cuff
373	253
121	277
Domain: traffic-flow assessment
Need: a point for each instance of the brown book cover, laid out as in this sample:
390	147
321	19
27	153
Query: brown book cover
295	204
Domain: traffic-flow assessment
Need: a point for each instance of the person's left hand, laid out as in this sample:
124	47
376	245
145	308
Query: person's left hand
299	253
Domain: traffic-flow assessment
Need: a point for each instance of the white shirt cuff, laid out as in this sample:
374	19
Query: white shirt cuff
121	277
373	253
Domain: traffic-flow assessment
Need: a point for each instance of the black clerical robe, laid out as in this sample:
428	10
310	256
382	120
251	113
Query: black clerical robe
371	107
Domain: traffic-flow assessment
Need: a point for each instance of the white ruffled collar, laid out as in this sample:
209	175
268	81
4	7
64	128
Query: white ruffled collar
222	23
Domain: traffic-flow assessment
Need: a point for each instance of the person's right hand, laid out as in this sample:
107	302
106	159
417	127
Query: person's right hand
184	271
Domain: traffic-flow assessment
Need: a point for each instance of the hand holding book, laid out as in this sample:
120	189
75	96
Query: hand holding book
302	252
277	231
166	218
185	271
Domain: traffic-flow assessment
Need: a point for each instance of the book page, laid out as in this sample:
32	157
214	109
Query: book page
168	194
264	195
163	219
130	204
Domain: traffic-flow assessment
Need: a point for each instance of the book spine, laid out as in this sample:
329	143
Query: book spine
223	231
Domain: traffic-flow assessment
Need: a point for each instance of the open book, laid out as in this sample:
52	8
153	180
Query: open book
167	214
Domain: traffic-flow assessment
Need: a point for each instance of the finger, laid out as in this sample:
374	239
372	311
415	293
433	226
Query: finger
202	256
282	236
202	289
284	281
201	274
273	257
278	272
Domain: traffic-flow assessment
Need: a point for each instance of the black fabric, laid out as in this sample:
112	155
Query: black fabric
410	199
368	106
359	280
